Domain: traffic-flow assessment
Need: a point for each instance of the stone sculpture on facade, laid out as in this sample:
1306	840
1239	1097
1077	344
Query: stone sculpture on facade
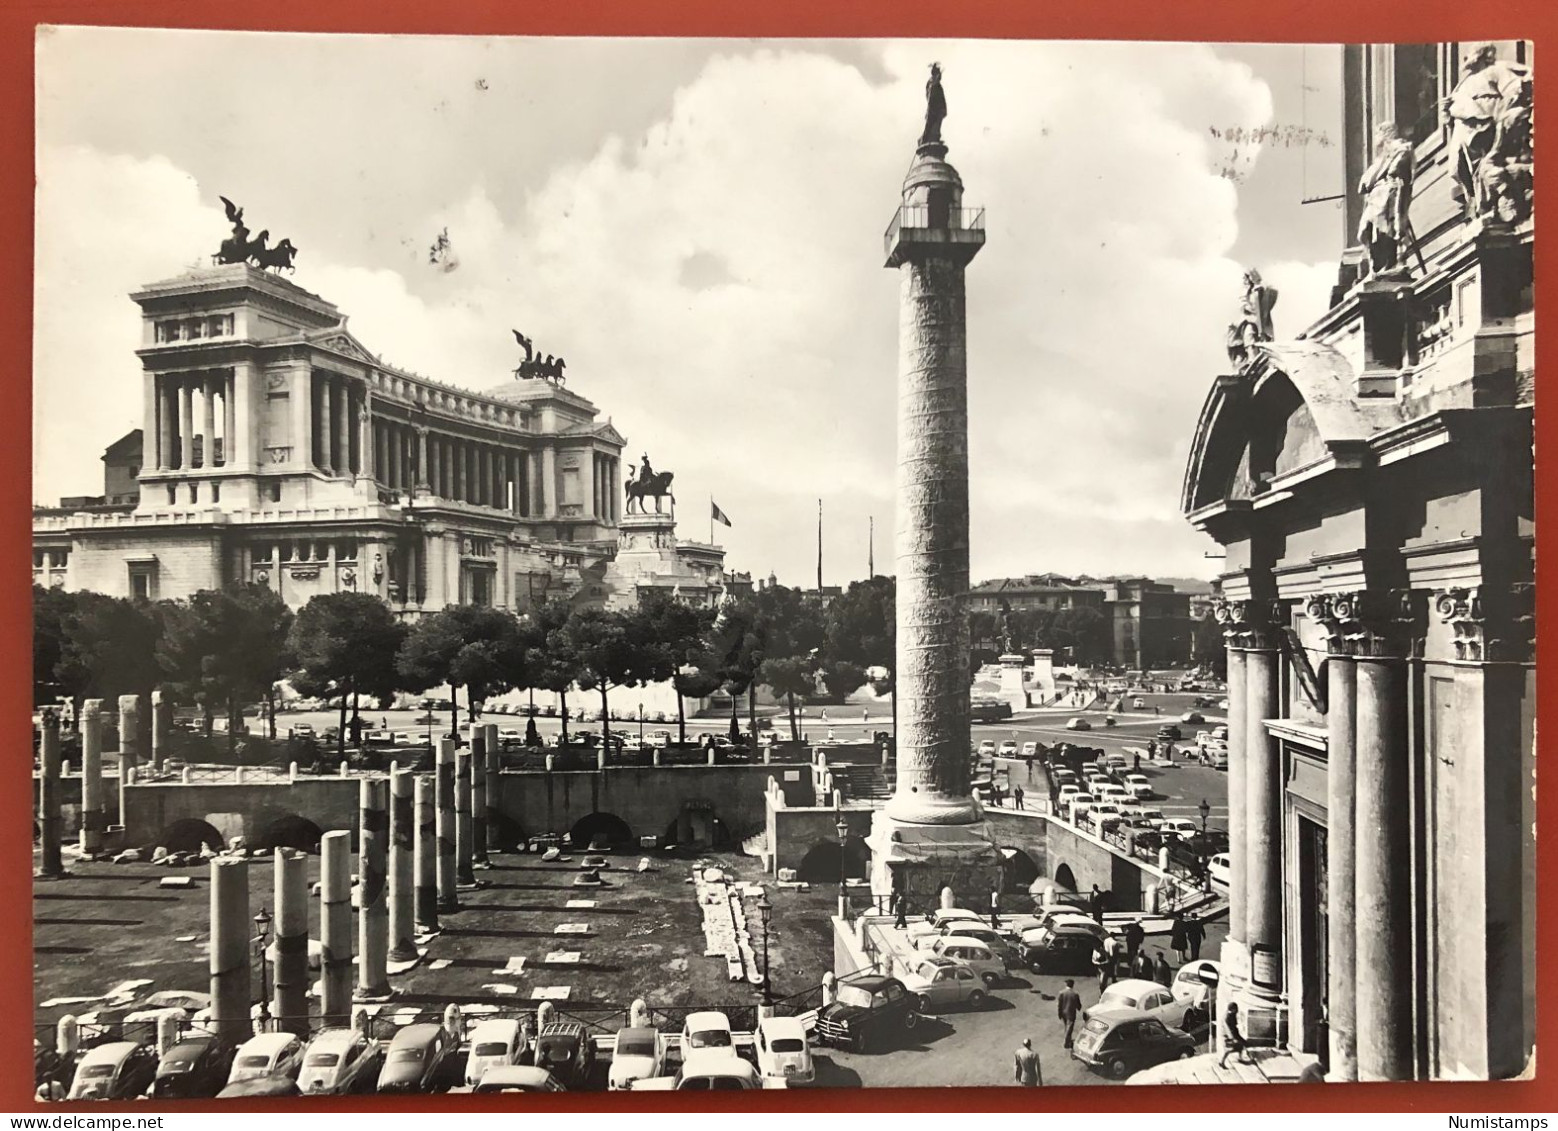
1252	324
1384	229
1007	629
1490	137
935	107
239	248
533	367
649	484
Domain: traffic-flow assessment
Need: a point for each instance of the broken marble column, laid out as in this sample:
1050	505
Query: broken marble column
129	747
335	927
231	935
462	817
479	795
159	731
448	895
290	950
426	856
93	820
494	767
402	837
50	866
372	904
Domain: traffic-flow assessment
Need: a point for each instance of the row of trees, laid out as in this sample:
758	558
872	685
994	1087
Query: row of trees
222	649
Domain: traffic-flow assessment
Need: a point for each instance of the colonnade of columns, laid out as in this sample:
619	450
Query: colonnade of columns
196	421
1368	846
409	458
340	408
608	487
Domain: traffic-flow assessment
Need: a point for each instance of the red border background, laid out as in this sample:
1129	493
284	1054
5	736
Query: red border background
1324	21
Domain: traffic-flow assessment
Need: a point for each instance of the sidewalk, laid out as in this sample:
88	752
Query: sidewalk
1270	1066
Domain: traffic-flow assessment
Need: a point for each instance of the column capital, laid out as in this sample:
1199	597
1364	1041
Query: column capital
1489	624
1251	624
1372	623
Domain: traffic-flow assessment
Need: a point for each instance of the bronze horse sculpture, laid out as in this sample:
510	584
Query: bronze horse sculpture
653	486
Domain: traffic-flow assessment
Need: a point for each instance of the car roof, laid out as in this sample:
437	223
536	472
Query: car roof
271	1043
111	1053
1113	1015
963	940
418	1034
707	1019
520	1074
334	1039
494	1027
937	960
1134	986
782	1026
870	982
715	1062
637	1031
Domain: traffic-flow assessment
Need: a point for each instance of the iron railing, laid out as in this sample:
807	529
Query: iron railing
921	217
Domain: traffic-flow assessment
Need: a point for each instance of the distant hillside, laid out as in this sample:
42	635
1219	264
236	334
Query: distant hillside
1188	584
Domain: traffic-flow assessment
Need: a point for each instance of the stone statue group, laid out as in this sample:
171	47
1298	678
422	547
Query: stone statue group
239	248
547	369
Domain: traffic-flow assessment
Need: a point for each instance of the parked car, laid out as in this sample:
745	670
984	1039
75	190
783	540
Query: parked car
938	981
340	1062
1119	1043
1139	995
660	738
1218	867
1078	724
302	730
1218	759
783	1051
711	1072
1066	792
1139	785
1168	732
1192	717
1060	916
1180	827
1079	804
196	1067
260	1086
987	748
1008	749
998	940
416	1058
1103	816
639	1054
978	955
868	1012
1138	703
494	1042
708	1031
517	1078
118	1070
565	1049
1030	750
268	1054
1062	949
1190	988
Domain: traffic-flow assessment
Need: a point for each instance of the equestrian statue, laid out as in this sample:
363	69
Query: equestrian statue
650	484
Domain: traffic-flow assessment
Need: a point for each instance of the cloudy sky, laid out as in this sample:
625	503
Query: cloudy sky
696	225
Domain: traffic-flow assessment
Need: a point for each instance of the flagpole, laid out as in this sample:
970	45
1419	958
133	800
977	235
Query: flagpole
711	520
819	549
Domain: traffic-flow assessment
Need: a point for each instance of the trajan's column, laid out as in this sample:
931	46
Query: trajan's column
932	833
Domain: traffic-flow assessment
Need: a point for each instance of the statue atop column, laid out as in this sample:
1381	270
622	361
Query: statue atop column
1490	137
1384	228
935	107
1252	323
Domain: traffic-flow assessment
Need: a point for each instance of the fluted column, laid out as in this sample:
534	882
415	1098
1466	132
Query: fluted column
478	740
325	430
290	950
51	865
402	839
463	839
207	423
422	483
372	877
1340	848
1236	800
229	419
1263	798
129	749
448	880
186	422
93	819
335	927
230	964
343	426
167	410
426	855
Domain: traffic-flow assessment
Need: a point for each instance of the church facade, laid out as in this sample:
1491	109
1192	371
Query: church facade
278	450
1372	482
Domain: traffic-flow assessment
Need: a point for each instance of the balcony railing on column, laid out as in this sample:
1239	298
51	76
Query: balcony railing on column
923	217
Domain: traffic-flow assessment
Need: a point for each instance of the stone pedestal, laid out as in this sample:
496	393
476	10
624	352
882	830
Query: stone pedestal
1012	690
920	860
1043	670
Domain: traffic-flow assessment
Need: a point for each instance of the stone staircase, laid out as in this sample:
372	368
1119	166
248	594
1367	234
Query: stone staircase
862	782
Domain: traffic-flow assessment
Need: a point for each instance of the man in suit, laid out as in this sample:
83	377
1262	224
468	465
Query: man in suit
1028	1073
1068	1007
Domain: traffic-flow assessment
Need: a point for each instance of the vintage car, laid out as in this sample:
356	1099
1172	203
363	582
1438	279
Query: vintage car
496	1041
783	1051
939	982
1142	996
118	1070
268	1054
1061	948
415	1060
517	1078
1078	724
565	1050
1120	1042
638	1054
196	1067
340	1062
979	956
868	1012
999	940
708	1031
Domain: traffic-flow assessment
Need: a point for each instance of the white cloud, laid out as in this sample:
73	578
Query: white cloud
716	285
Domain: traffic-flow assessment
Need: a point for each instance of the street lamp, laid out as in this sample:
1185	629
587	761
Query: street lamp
840	824
640	725
261	936
1206	871
765	911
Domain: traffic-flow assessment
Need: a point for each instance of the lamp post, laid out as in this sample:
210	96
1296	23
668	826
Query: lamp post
1206	871
765	911
842	826
261	936
641	725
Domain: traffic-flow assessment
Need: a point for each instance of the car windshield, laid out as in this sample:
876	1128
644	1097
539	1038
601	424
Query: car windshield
490	1048
854	995
638	1044
253	1061
788	1044
322	1060
711	1039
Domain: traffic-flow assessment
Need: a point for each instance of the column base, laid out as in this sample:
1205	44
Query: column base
920	859
373	994
1263	1013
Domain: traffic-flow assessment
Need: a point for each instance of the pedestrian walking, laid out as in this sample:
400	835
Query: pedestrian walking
1195	934
1103	961
1028	1072
1134	937
1157	710
901	910
1233	1040
1017	797
825	719
1095	904
1138	761
1177	939
1161	971
865	715
1145	969
1068	1006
